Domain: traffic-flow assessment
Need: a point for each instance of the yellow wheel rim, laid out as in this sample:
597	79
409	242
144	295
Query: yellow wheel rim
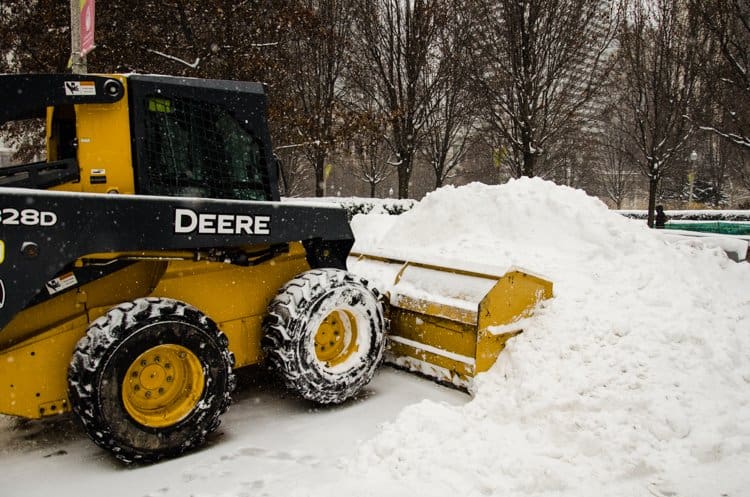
336	338
163	385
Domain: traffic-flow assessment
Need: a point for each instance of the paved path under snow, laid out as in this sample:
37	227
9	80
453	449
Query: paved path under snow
268	444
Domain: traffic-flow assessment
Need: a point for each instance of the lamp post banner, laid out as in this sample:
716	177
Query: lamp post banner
87	26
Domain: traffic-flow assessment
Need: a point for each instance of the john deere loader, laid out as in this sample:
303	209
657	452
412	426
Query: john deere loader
149	256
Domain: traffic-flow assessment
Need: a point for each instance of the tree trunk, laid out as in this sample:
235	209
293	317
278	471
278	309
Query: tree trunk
404	175
282	178
529	159
653	183
320	181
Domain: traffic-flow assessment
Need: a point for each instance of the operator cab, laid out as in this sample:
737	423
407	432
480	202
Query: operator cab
150	135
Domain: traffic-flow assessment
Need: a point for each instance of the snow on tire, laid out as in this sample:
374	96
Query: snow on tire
325	334
150	379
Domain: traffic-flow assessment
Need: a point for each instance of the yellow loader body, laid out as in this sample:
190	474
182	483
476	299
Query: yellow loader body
36	346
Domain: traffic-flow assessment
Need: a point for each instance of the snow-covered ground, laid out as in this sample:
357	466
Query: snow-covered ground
269	444
634	380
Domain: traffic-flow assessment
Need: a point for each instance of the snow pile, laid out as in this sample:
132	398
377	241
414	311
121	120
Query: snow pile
633	380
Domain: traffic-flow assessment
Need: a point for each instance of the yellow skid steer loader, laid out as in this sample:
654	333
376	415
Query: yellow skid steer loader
149	256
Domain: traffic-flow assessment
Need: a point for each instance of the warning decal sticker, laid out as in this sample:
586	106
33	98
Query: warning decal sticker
59	284
78	88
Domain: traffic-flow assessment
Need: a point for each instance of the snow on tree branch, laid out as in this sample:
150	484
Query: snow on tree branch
192	65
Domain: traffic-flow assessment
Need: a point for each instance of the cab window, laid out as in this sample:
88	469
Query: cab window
197	149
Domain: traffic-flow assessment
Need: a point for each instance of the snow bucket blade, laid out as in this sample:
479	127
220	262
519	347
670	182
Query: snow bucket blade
451	324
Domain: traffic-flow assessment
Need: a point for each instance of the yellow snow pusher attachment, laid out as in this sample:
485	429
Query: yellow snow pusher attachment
449	323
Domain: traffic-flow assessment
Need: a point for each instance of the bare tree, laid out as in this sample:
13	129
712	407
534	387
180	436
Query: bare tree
727	26
712	160
659	62
539	62
201	39
394	65
293	172
617	172
24	47
741	166
315	58
373	164
370	149
34	37
450	120
447	136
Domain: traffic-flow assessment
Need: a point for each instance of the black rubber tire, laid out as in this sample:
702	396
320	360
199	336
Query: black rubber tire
292	322
112	343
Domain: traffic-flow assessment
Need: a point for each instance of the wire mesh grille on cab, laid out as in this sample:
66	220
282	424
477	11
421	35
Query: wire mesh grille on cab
197	149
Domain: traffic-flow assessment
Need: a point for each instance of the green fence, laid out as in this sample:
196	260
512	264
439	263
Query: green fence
722	227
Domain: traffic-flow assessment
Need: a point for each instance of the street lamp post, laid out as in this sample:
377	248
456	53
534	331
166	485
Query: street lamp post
691	176
77	61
